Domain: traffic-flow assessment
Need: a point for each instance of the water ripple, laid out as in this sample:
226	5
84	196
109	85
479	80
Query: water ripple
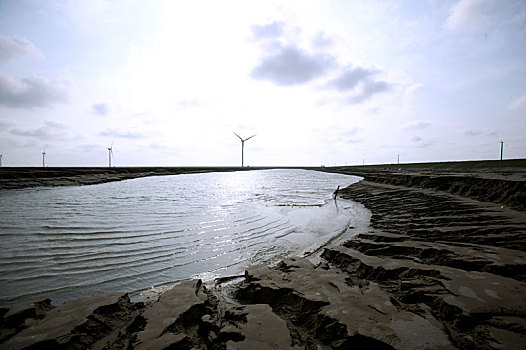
71	242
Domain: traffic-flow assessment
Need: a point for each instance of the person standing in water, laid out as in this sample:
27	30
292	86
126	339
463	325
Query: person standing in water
336	192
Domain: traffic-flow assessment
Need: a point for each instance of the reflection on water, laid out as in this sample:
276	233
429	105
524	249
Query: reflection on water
71	242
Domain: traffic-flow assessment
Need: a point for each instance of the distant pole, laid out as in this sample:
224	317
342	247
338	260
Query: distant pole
398	158
243	147
363	162
501	151
44	159
0	160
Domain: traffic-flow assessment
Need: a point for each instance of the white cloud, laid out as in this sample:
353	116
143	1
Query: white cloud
188	103
412	90
467	14
120	134
13	47
85	15
418	125
30	92
519	104
369	89
50	131
351	78
266	31
478	132
321	40
287	65
100	108
292	66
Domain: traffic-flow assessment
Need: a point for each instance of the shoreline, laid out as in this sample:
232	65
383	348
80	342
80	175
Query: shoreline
436	270
27	177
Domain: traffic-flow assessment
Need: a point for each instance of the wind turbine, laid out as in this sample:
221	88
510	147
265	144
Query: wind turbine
110	154
0	160
44	158
243	146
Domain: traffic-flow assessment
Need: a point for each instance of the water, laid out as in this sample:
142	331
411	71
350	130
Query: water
70	242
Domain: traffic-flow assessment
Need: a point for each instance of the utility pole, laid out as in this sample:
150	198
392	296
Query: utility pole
501	151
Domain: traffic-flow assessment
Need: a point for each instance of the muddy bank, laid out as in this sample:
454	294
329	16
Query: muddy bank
435	271
11	178
507	188
23	177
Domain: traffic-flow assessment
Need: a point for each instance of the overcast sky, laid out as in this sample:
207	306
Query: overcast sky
318	82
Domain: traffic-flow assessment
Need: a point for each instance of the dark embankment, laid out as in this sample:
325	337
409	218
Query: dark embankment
11	177
22	177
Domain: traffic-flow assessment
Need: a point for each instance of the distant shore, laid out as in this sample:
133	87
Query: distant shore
24	177
443	265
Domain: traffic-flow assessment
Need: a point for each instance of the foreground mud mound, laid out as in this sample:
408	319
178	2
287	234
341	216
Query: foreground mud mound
460	260
436	271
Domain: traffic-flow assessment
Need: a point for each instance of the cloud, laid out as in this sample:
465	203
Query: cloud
268	31
30	92
350	79
13	47
288	65
89	147
519	104
420	142
321	41
417	125
50	131
292	66
477	132
360	81
370	88
350	132
100	108
468	14
188	103
412	90
120	134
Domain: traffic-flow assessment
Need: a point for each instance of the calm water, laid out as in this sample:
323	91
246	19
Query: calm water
70	242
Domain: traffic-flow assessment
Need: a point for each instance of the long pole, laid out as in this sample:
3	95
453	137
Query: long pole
0	160
501	151
109	157
43	159
242	153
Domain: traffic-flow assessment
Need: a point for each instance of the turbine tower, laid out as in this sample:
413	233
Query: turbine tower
243	146
0	160
110	154
44	158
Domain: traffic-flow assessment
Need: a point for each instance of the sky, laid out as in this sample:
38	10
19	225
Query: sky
167	83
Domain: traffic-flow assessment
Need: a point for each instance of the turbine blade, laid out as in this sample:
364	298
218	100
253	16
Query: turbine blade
250	137
238	136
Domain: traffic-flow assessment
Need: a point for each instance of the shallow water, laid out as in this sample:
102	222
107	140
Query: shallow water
71	242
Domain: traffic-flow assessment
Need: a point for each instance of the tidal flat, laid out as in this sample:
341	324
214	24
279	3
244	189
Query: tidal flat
441	264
